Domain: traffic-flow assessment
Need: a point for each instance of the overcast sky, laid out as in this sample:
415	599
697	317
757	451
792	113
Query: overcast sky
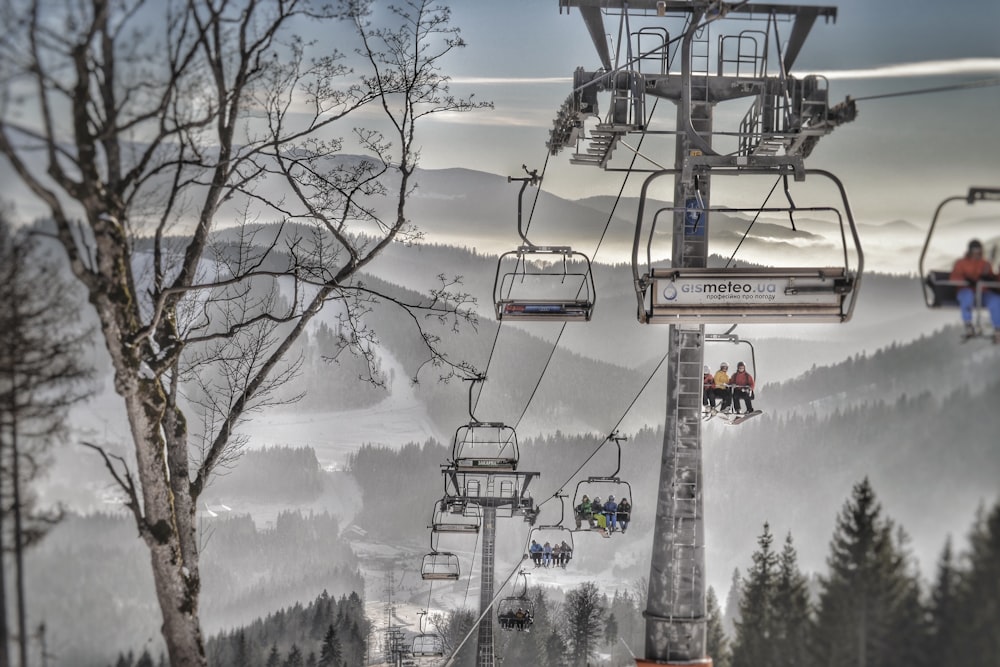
898	159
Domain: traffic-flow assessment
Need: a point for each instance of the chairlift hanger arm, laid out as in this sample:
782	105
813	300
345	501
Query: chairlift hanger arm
531	179
472	383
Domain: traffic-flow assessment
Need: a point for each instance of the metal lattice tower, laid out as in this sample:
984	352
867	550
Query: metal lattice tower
484	646
786	118
498	494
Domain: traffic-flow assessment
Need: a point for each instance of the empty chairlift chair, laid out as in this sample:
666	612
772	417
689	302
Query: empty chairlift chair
483	446
426	644
439	565
940	291
536	283
454	516
542	283
795	294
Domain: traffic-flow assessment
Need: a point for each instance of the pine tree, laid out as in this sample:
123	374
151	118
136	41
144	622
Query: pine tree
980	593
753	645
274	658
584	612
792	611
145	660
944	610
718	643
733	598
611	629
869	608
294	658
330	653
555	650
241	652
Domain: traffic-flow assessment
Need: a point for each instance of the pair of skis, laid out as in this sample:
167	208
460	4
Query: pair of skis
732	418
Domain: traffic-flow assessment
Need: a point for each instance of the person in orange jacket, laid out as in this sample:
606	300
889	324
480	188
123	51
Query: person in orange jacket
743	385
973	268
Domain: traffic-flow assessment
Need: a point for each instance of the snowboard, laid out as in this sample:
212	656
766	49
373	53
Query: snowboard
742	418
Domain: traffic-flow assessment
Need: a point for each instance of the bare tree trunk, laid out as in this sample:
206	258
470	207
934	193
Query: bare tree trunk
15	474
4	632
15	471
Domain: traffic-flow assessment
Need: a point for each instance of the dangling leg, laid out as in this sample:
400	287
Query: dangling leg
992	302
966	301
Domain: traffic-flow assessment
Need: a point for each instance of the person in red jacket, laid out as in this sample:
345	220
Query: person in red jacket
973	268
743	385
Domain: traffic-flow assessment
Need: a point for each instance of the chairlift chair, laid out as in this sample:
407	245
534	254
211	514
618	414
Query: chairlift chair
483	446
426	644
940	291
553	534
542	283
603	486
517	612
748	294
440	566
452	516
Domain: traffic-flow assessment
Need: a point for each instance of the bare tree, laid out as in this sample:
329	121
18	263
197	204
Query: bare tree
42	373
141	126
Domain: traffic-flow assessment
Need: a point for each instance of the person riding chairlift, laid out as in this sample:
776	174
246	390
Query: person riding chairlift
722	389
973	268
742	385
708	387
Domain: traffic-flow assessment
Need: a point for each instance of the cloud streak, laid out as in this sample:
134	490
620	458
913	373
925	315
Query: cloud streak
510	80
952	67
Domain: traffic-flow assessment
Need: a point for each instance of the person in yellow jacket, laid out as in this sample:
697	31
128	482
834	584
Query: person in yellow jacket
722	389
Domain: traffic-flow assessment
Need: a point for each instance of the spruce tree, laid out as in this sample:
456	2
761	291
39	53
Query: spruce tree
792	611
274	658
753	645
294	658
718	643
330	653
945	610
869	607
733	598
584	612
980	593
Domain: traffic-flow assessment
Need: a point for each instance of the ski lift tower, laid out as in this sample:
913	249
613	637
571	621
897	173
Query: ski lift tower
786	118
502	493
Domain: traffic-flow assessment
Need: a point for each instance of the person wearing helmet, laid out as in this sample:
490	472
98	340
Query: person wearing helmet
708	395
610	513
743	386
722	389
972	269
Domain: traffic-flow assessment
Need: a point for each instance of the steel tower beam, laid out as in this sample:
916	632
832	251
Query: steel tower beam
485	656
